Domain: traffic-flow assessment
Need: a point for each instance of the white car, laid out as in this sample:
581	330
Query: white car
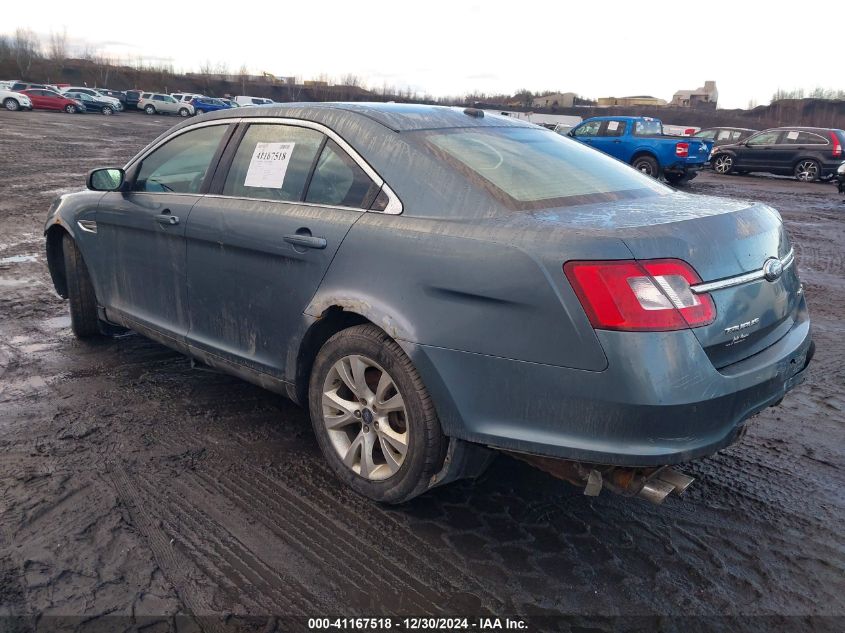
92	92
158	103
12	100
185	96
243	100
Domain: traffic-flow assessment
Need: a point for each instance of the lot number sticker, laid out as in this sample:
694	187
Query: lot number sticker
269	165
792	135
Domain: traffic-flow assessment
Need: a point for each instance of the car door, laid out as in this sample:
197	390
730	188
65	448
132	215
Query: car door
259	246
38	99
587	132
140	272
758	151
609	138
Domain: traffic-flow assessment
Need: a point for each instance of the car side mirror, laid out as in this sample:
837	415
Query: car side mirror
109	179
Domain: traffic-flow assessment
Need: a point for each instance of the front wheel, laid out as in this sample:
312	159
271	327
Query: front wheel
807	171
723	164
646	165
70	109
107	110
183	112
80	292
373	417
11	105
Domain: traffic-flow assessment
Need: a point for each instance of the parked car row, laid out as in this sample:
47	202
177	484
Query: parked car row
807	153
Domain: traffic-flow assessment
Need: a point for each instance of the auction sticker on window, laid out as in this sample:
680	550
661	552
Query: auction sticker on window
269	165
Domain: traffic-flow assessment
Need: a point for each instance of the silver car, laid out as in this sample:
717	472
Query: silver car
157	103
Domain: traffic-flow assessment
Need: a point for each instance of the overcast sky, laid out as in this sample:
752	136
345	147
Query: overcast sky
750	48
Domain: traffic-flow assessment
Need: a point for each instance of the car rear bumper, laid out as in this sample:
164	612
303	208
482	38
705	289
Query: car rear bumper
658	402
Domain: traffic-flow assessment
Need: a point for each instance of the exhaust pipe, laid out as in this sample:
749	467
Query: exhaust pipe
652	484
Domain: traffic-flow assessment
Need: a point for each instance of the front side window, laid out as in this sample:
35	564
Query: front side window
180	165
590	128
339	181
538	168
765	138
273	162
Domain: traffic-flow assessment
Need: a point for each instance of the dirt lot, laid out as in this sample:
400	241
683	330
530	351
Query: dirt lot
135	486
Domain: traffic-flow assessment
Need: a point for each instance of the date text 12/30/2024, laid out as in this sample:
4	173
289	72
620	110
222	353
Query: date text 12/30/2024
417	624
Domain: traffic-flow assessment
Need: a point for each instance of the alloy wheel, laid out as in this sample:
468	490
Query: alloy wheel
807	171
723	164
365	417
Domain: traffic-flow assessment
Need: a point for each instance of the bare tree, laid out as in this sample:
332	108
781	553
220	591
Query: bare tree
243	74
5	48
25	50
103	66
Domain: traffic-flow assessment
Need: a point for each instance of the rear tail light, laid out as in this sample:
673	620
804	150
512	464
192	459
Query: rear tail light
640	296
837	145
682	150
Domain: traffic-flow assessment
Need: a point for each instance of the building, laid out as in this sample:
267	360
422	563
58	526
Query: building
556	100
639	100
706	96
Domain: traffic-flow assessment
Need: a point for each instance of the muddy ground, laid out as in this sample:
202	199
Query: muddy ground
134	486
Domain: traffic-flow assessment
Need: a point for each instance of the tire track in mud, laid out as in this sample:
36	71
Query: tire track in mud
357	564
172	564
225	556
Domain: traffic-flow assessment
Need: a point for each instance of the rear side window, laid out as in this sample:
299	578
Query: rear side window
273	162
795	137
648	127
180	165
615	128
537	168
707	134
338	180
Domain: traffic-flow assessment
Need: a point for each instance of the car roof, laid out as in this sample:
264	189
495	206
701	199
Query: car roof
728	127
399	117
802	128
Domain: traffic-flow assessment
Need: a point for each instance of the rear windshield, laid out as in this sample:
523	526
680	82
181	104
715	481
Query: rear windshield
537	168
648	127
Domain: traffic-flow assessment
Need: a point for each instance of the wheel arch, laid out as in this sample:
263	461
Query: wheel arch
55	258
334	319
639	153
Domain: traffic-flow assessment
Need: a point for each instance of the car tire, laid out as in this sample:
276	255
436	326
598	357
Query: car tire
807	170
183	112
70	109
150	109
723	164
80	292
107	110
362	444
646	165
11	105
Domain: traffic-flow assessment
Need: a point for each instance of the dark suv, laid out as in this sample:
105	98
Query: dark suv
725	135
808	153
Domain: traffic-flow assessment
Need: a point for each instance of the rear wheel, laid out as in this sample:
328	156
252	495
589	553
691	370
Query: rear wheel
150	109
373	417
83	302
11	104
723	164
183	112
647	165
70	108
807	170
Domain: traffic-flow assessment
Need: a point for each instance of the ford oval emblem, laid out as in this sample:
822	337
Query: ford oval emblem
772	269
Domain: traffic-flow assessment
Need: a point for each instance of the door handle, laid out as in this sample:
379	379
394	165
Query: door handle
167	218
306	240
617	141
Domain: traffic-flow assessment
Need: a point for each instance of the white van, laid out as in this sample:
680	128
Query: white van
252	101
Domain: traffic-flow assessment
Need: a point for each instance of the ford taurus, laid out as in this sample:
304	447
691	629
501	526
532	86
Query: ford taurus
434	283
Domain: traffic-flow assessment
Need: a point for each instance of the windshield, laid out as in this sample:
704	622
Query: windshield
537	168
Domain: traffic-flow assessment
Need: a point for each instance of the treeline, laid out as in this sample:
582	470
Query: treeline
815	93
